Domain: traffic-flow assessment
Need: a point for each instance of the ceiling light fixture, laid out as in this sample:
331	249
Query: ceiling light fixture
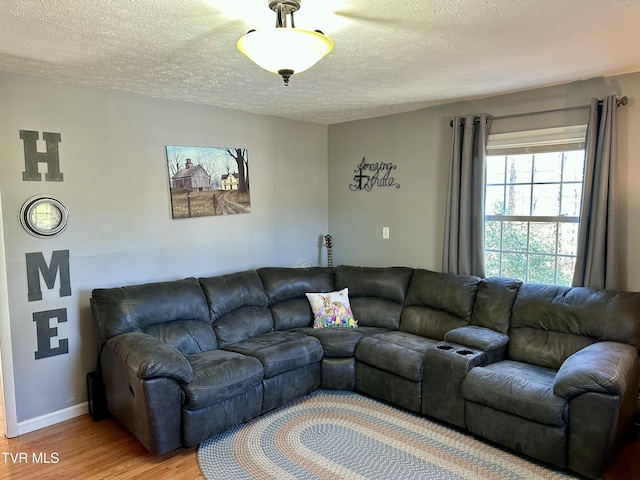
285	50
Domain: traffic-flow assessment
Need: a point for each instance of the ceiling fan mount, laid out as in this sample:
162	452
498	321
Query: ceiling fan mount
282	9
289	6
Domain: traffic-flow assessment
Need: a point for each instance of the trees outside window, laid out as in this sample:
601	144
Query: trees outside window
533	198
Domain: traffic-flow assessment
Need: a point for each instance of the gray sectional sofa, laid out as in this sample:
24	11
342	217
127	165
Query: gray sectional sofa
551	372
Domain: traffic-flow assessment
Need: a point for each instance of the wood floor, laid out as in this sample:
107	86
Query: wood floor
83	449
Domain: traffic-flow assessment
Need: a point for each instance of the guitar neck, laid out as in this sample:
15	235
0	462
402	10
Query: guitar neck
328	242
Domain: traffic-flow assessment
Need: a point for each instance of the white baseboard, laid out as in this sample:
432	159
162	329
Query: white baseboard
52	418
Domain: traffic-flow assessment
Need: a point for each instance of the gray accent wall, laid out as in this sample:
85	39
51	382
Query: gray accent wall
115	183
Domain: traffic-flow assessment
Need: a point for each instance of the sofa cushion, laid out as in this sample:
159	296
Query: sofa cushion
494	303
549	323
136	307
455	294
281	283
331	309
438	302
286	288
399	353
389	283
219	375
517	388
226	293
289	314
237	305
376	294
241	324
376	312
429	322
340	342
280	351
187	336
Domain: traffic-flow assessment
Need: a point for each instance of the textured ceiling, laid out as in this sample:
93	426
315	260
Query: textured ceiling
389	56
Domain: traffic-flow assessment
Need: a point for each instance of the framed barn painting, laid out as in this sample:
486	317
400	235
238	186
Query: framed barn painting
208	181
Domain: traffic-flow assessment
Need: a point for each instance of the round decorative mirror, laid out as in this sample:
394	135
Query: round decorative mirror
44	216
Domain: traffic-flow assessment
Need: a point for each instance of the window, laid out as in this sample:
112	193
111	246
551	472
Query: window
533	200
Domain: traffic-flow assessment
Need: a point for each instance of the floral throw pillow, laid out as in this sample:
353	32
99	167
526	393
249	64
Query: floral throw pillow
331	309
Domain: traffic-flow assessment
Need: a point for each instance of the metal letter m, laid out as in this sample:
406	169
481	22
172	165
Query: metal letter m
36	264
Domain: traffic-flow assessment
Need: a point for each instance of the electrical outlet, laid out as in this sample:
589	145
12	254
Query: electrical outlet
385	233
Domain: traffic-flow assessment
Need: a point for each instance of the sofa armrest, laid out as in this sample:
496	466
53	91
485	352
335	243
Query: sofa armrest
148	357
602	367
481	338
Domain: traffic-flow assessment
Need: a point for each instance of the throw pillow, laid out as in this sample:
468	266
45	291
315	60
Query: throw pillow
331	309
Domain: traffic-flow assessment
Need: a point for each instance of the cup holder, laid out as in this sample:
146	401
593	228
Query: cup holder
445	347
465	352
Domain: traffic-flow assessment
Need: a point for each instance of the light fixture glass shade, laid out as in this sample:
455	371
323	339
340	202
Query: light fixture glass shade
280	49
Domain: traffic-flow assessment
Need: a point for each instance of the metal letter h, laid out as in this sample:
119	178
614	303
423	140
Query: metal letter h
32	157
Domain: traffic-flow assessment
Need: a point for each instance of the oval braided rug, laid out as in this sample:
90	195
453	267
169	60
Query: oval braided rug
344	435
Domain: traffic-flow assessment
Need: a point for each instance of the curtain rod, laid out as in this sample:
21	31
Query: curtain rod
619	102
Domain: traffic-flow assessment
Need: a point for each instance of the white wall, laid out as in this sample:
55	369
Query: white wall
419	143
112	156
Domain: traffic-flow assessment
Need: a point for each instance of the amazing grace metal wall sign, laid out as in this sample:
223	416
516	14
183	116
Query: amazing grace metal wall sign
370	175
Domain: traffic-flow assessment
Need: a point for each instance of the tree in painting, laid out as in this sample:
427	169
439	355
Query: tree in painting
240	156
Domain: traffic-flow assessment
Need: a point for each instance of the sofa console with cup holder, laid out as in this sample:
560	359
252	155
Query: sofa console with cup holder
551	372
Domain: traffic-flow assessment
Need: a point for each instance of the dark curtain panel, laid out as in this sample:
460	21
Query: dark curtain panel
463	251
597	258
